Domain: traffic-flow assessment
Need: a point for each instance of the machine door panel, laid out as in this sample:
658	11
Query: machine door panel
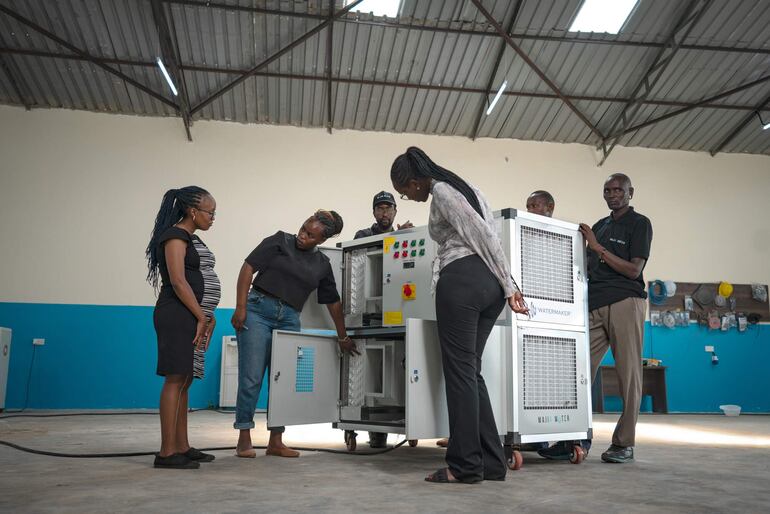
553	379
304	379
426	407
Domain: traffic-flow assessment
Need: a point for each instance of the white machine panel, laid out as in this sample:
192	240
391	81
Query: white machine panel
304	379
547	259
5	357
228	379
315	315
426	408
552	381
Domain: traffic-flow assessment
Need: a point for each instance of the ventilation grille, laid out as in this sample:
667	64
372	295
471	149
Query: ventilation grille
546	265
305	369
550	373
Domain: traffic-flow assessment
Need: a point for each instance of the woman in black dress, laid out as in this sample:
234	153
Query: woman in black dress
184	313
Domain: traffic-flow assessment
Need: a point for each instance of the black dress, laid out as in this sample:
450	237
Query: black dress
174	323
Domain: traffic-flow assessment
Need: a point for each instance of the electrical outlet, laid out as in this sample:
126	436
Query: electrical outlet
38	342
709	349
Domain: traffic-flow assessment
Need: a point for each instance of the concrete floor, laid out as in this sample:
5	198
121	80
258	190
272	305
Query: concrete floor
683	464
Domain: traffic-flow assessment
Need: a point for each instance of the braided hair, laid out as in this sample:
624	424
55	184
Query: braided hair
330	220
173	208
415	164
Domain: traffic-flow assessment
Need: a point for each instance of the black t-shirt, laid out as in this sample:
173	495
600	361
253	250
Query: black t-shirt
371	231
192	264
627	237
290	274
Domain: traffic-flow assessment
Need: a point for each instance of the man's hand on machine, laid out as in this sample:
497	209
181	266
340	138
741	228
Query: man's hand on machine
517	304
347	345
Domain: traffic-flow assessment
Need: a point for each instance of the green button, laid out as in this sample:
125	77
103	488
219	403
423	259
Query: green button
422	252
414	243
414	253
422	242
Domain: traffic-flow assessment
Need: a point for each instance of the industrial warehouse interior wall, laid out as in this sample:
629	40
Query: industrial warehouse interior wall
79	193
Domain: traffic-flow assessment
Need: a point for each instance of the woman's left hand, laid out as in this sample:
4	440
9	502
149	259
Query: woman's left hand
209	331
348	346
517	303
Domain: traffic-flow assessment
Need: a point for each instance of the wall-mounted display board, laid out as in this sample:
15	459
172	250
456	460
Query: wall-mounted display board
704	300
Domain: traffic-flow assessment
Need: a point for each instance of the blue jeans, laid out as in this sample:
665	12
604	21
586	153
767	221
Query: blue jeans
255	341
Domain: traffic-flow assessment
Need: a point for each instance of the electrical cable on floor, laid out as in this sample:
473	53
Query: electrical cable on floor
218	448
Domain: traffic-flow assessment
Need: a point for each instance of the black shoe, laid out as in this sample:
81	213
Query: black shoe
196	454
378	440
558	451
175	461
618	454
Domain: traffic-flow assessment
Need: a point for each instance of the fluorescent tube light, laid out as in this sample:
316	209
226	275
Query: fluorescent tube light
497	97
168	77
602	16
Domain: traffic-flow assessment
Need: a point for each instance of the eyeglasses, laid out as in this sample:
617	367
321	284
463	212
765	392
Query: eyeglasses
213	214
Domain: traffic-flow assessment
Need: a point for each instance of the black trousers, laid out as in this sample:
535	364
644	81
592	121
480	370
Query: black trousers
468	301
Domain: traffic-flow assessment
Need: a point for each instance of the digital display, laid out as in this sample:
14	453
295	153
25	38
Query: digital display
409	265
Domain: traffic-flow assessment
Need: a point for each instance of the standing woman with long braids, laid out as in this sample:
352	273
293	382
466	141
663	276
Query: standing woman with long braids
473	282
184	313
289	267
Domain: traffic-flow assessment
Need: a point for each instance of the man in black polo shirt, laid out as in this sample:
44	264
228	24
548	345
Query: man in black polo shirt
618	249
384	206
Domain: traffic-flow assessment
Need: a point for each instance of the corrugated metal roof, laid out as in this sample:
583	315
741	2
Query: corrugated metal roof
391	78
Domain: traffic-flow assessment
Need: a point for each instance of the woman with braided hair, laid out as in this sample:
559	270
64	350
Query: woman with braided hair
289	267
184	313
473	283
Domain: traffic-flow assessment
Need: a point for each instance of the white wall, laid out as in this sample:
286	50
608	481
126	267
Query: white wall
79	193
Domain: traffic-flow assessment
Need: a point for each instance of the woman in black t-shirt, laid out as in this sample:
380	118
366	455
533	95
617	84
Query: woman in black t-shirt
288	269
184	313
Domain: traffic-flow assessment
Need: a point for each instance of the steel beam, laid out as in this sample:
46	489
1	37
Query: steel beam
171	59
85	55
740	126
492	75
275	56
537	70
409	85
699	104
470	32
692	14
329	43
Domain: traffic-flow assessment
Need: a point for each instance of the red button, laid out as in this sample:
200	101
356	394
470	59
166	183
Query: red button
404	253
407	290
395	255
404	244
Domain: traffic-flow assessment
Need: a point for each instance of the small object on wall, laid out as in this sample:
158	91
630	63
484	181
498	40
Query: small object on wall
688	306
725	289
714	358
669	319
655	319
725	325
713	320
658	293
670	288
682	318
743	322
759	292
720	301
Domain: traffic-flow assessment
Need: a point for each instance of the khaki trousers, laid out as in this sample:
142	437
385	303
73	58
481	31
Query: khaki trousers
620	327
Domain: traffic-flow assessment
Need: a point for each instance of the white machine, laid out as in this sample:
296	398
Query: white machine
5	357
536	367
548	381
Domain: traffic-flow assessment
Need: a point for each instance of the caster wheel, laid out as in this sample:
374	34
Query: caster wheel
412	442
351	442
578	454
516	461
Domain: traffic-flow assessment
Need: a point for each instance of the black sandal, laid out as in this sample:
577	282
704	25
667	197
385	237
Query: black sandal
175	461
441	476
197	455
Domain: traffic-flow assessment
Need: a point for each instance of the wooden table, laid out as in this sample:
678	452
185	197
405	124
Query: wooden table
653	384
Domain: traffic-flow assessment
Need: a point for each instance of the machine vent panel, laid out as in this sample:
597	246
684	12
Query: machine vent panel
305	369
546	265
549	373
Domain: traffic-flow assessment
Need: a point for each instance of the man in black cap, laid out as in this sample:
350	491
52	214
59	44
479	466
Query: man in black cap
384	206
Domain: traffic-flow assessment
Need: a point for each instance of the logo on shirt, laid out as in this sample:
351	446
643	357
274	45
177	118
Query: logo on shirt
619	241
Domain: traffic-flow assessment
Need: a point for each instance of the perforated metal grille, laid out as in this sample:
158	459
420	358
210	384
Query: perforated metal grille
546	265
305	369
549	373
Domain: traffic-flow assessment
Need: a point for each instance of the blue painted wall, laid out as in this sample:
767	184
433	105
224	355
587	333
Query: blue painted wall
102	357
